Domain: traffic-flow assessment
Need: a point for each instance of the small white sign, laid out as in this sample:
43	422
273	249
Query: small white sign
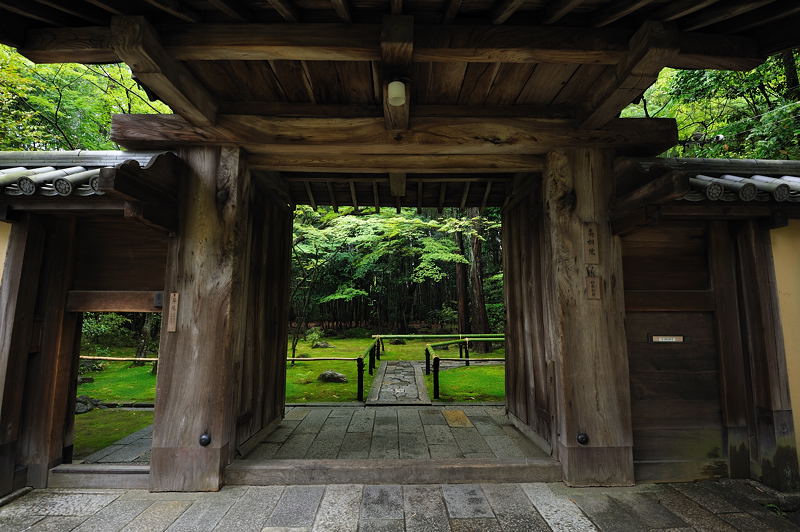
172	315
662	339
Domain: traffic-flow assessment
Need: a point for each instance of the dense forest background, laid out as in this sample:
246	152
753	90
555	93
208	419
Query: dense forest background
367	272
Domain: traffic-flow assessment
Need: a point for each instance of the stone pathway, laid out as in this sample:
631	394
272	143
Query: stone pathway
132	449
714	505
399	382
396	432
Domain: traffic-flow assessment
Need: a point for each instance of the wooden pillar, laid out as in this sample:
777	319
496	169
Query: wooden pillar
584	320
197	374
773	455
17	306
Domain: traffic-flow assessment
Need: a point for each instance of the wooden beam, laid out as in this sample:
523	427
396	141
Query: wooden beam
558	9
115	7
310	195
433	136
680	8
618	10
361	42
342	8
353	195
672	185
719	14
397	184
135	41
485	199
332	196
114	301
176	9
722	166
453	7
38	13
392	164
464	196
505	9
286	9
397	47
82	13
748	21
651	51
235	9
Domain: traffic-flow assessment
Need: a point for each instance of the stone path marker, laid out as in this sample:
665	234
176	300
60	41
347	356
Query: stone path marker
399	382
712	505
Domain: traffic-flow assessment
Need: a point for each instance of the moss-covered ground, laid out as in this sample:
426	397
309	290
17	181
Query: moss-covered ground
99	428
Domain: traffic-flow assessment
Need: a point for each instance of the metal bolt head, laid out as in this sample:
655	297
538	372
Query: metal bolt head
205	439
582	438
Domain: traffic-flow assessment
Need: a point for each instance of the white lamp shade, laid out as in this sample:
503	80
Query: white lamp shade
397	93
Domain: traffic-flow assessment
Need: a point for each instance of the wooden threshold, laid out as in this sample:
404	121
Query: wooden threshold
394	471
121	476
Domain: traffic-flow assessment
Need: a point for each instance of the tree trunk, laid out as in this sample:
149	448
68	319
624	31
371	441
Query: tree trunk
480	320
145	337
462	288
790	68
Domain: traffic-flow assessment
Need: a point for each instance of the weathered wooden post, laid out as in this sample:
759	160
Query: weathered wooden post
360	369
436	377
194	433
584	319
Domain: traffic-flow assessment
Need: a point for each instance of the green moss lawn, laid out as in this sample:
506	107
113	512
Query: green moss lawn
470	384
302	385
99	428
118	382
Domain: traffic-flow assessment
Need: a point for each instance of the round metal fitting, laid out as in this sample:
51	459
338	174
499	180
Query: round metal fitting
582	438
205	439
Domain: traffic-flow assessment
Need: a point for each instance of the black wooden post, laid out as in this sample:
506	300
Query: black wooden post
435	377
427	361
371	361
466	351
360	366
460	350
378	349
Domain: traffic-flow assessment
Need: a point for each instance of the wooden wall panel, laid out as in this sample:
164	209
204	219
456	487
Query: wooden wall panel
529	380
678	428
115	254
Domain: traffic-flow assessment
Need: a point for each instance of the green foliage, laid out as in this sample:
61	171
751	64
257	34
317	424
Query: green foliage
314	335
103	329
64	106
357	332
751	114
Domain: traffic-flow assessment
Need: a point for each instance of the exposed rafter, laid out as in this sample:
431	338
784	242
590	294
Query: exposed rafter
286	9
38	13
618	10
88	15
505	9
235	9
135	41
681	8
342	8
310	194
761	17
115	7
453	7
176	9
715	15
558	9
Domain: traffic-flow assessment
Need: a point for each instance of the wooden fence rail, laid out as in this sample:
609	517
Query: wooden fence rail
118	359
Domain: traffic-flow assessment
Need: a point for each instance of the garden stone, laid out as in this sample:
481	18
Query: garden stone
85	380
398	341
322	345
331	376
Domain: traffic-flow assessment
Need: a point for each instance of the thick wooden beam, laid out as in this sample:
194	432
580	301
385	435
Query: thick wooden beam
114	301
670	186
433	136
397	48
585	320
371	164
204	275
137	43
558	9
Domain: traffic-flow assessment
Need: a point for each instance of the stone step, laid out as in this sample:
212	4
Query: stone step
403	471
122	476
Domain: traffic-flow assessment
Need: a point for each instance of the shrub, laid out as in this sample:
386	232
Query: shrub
314	335
357	332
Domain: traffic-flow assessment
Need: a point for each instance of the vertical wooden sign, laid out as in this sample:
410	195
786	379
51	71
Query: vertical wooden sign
172	314
591	250
593	287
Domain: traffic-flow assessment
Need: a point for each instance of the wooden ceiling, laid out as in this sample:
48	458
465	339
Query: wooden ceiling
491	85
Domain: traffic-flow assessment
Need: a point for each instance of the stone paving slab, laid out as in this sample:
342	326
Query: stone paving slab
409	508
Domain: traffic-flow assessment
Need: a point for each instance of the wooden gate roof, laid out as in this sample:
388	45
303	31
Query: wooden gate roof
490	85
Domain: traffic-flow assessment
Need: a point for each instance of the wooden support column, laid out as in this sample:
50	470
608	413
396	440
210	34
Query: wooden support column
202	326
17	306
584	320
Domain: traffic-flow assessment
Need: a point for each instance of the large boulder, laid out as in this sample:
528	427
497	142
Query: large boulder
322	345
331	376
